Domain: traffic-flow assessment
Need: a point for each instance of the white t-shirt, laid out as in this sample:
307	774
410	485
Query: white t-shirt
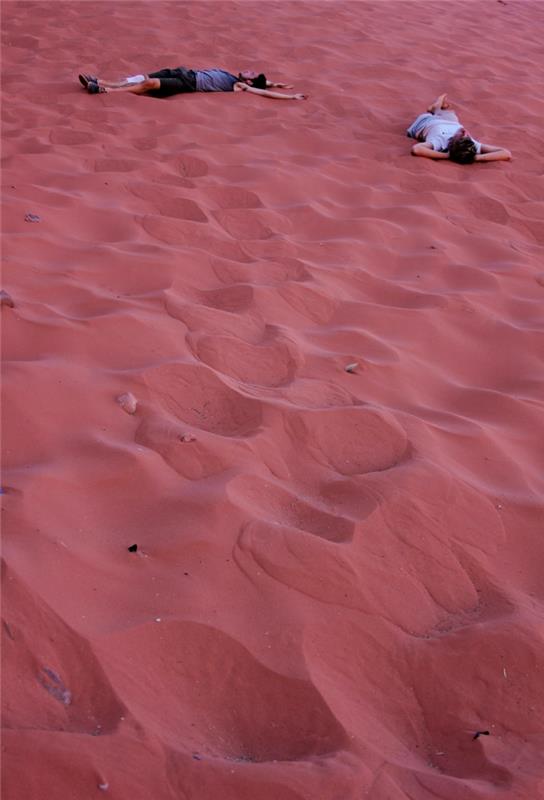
440	131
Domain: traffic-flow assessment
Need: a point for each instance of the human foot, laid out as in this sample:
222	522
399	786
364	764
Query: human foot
85	79
439	103
94	88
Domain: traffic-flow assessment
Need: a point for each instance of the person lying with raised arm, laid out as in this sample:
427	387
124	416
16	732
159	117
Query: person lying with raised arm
440	135
179	80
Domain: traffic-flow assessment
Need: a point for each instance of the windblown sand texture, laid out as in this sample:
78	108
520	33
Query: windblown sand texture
339	576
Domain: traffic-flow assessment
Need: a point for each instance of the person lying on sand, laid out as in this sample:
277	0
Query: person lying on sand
179	80
441	135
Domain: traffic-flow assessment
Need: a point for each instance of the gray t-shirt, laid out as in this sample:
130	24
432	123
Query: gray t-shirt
214	80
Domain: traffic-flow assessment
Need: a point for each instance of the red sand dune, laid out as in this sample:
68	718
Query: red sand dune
339	575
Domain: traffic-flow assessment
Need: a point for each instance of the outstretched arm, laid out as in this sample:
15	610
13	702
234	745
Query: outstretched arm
489	152
243	87
427	151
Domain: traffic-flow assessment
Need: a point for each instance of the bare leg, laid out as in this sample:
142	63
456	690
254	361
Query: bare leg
135	88
121	84
439	104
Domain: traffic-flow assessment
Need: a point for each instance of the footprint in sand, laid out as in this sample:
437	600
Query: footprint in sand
235	298
116	165
269	364
352	441
209	689
233	197
196	396
272	502
192	167
69	136
182	208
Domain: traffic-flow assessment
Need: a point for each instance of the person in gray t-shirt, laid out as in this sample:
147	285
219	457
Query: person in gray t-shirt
180	80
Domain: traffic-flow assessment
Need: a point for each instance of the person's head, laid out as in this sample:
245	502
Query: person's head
462	148
258	80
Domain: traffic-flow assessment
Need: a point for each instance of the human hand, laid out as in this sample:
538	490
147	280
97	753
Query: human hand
300	96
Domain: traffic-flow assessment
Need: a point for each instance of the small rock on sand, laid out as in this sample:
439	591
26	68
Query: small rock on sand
128	402
5	299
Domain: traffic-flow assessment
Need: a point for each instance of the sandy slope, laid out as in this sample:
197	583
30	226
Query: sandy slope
339	576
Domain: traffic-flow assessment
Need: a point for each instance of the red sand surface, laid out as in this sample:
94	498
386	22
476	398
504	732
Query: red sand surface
339	575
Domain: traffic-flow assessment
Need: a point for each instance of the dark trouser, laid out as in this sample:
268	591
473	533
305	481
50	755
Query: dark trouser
173	81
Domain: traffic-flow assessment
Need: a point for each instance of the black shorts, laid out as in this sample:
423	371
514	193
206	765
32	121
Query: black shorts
173	81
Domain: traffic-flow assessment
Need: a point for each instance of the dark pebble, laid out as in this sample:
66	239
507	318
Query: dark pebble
480	733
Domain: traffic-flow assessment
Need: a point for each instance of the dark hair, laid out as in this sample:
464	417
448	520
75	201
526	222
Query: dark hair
463	150
259	82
